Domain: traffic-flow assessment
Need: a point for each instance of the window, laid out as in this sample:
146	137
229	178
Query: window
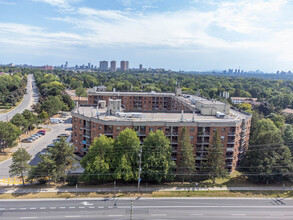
191	129
117	128
79	121
214	130
74	119
223	129
94	125
75	134
151	129
191	138
75	127
100	127
222	138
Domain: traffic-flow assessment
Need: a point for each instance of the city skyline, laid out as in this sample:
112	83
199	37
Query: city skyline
212	35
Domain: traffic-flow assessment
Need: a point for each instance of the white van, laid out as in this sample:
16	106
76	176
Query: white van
55	120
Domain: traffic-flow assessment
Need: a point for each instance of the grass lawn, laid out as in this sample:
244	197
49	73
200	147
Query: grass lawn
13	107
246	194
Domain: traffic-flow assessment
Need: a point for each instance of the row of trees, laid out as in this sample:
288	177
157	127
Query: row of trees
52	91
120	159
12	89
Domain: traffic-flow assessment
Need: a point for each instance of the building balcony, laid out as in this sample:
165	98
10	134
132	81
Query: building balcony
229	157
86	136
140	133
231	142
230	149
205	134
83	150
229	164
231	134
173	158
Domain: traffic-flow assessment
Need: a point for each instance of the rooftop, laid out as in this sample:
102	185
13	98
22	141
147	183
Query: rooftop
88	111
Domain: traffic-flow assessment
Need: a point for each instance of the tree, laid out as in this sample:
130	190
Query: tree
214	166
186	164
98	161
20	121
245	107
80	92
157	165
53	105
125	160
267	156
278	120
20	166
288	137
43	115
56	162
8	135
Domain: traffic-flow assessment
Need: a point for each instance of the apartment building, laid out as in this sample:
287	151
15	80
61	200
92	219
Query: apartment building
109	113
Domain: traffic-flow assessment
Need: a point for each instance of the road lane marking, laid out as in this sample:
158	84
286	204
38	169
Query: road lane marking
1	209
61	207
43	208
100	207
12	208
71	207
81	207
33	208
22	208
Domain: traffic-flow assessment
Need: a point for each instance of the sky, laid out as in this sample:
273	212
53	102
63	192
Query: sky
172	34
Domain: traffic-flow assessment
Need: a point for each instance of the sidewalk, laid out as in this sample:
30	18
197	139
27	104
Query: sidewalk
132	189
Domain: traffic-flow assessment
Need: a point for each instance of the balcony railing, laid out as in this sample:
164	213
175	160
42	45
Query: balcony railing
230	149
231	134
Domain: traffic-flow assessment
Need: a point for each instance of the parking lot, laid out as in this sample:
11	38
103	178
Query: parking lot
39	144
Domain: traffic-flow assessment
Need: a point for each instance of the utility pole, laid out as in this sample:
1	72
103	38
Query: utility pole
131	210
139	170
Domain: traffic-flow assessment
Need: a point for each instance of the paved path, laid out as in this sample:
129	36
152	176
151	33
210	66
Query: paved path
37	146
147	208
29	99
134	189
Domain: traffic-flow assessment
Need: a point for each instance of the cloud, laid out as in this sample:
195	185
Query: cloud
63	5
2	2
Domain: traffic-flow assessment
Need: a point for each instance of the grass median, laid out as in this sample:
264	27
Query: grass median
169	194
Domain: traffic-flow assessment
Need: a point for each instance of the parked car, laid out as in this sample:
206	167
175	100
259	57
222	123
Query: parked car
27	140
56	140
50	145
63	135
33	137
42	131
55	120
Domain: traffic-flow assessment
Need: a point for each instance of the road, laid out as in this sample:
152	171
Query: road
37	146
29	99
180	208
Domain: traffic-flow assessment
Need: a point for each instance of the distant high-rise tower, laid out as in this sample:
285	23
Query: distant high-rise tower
124	65
140	67
89	65
104	65
113	67
66	64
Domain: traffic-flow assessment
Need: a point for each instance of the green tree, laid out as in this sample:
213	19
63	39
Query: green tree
157	165
186	164
8	135
98	161
125	160
214	166
267	156
278	120
20	166
245	107
20	121
43	115
80	92
56	162
53	105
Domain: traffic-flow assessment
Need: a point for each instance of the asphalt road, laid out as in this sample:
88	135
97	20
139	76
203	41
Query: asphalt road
199	208
37	146
29	99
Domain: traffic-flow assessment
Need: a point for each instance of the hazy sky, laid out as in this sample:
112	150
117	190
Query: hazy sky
175	34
